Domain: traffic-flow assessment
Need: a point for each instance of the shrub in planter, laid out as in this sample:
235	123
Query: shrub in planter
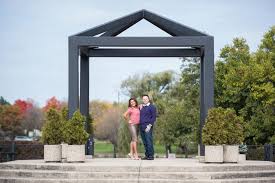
52	136
234	135
64	117
223	127
214	135
233	127
76	136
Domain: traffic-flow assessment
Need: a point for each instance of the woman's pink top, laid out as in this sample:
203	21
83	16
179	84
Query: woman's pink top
133	114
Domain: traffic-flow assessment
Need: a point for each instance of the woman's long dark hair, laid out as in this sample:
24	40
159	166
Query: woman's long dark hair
134	99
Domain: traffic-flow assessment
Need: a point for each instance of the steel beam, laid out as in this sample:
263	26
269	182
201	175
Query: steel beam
144	53
171	27
119	29
182	41
112	24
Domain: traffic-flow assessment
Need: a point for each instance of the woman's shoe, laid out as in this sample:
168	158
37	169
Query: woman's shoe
136	157
130	156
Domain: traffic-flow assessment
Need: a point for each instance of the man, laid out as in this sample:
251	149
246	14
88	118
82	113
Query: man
147	120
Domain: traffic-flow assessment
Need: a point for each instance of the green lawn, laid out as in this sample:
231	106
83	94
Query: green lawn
103	147
107	147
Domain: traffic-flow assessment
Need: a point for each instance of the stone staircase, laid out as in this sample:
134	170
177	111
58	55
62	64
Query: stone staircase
134	171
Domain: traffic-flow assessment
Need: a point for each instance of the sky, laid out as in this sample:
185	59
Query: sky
34	40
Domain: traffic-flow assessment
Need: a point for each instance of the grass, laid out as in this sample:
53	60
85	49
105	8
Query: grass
102	147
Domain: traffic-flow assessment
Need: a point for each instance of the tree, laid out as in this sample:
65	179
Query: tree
32	116
97	111
74	130
3	101
10	120
230	70
178	122
53	129
33	119
246	82
261	103
178	125
23	105
187	87
108	128
124	137
155	85
52	103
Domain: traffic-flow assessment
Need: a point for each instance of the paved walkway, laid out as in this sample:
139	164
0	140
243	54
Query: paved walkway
181	162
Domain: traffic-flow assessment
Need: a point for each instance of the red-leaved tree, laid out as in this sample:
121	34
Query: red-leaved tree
23	106
52	103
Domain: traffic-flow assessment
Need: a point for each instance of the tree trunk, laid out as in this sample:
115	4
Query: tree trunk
184	150
168	150
114	155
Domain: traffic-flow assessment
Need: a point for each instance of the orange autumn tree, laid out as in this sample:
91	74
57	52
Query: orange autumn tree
98	109
10	120
52	103
23	106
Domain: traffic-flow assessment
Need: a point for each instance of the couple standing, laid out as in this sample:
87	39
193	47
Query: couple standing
141	117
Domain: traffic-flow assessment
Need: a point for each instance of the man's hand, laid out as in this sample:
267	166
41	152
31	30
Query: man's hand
148	127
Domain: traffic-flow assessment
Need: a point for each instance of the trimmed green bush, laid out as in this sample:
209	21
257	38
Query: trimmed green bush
58	128
52	131
222	126
74	131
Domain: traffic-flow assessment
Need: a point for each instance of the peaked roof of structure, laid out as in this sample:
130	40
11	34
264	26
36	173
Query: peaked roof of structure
117	26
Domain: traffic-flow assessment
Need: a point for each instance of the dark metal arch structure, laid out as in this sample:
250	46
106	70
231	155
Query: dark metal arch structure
100	41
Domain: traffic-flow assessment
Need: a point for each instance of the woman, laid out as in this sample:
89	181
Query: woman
132	116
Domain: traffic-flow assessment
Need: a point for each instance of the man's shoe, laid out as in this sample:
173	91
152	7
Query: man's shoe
150	158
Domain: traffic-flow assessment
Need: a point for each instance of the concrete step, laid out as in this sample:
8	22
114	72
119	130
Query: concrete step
129	175
35	180
125	170
134	168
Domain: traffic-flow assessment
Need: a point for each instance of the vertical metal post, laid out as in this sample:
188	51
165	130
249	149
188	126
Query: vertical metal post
268	152
84	94
84	85
73	102
11	155
206	85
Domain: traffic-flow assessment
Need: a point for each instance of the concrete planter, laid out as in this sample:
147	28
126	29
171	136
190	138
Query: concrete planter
52	153
242	158
76	153
64	149
214	154
230	153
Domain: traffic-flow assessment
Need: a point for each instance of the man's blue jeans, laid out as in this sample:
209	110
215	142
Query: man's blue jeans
147	138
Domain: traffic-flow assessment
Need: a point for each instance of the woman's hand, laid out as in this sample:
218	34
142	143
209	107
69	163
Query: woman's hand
125	115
